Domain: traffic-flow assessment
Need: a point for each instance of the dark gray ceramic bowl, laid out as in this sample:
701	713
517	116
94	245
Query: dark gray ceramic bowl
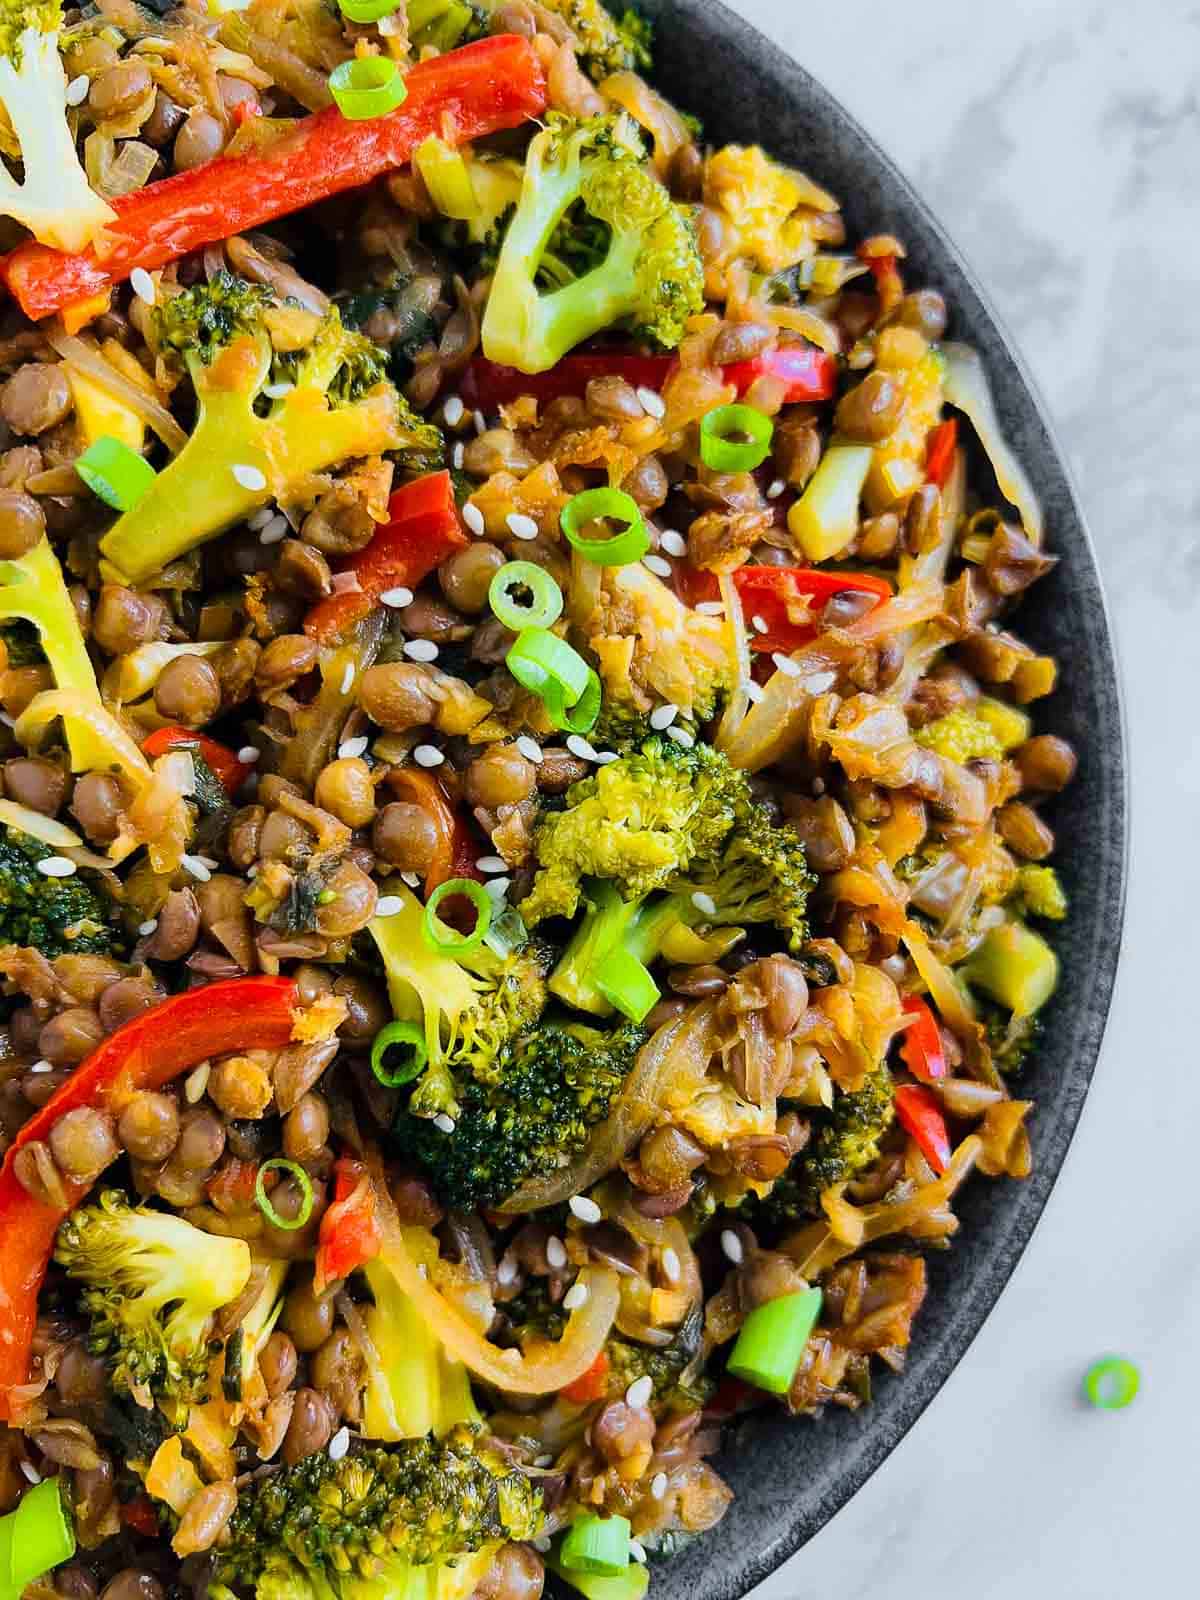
791	1477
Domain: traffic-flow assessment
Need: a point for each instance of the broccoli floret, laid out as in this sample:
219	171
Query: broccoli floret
548	1089
846	1144
663	1365
153	1282
445	23
1039	893
57	916
606	44
651	275
331	402
54	201
987	729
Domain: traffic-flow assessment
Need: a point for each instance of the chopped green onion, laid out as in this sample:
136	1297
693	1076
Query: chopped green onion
583	715
596	1544
404	1036
294	1170
772	1340
444	940
546	665
722	451
447	177
35	1537
625	983
366	10
1111	1384
367	86
115	473
623	548
545	606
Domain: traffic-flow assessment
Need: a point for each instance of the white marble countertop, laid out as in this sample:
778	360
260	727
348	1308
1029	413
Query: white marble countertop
1059	143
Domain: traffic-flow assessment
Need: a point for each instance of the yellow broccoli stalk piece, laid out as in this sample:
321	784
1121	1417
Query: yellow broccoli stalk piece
987	730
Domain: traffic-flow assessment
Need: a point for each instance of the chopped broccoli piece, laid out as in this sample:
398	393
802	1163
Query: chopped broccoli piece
1039	893
153	1282
57	916
988	729
249	447
651	275
663	1365
416	1389
607	44
445	23
846	1144
1015	966
54	201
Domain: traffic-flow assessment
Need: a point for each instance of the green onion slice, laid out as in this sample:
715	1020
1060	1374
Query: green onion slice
35	1537
1111	1384
397	1036
366	10
623	548
545	606
772	1340
626	984
722	451
444	940
295	1170
367	86
546	665
115	473
596	1544
583	715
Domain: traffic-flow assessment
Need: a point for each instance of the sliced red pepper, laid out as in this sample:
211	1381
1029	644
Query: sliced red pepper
810	374
922	1051
422	529
145	1053
140	1515
350	1234
221	761
776	596
888	282
244	111
493	84
231	1187
939	453
920	1115
465	851
590	1385
487	386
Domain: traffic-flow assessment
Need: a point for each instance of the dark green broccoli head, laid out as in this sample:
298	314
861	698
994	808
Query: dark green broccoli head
607	43
665	1366
761	875
57	916
846	1143
203	320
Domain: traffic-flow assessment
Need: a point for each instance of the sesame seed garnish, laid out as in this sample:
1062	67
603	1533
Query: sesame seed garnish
603	758
512	1357
473	518
260	518
670	1265
541	1543
421	650
453	410
663	716
681	736
275	530
56	867
479	421
147	928
348	678
754	691
428	755
578	746
711	608
556	1253
586	1210
673	543
249	754
636	1548
507	1271
277	391
9	722
776	489
196	1083
497	887
389	905
458	455
350	748
142	285
732	1247
390	26
576	1296
397	598
77	89
249	477
530	749
546	1460
704	903
652	402
521	526
443	1123
639	1392
42	1066
786	665
759	624
656	565
412	879
492	864
339	1444
658	1485
32	1473
196	867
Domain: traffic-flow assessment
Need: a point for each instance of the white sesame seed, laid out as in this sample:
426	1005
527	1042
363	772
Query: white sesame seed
348	678
420	650
521	526
56	867
578	746
663	716
412	879
673	543
497	887
260	518
544	1460
142	285
507	1271
759	624
576	1296
196	1083
249	754
681	736
275	530
732	1247
147	928
453	410
249	477
492	864
391	27
349	748
458	455
776	489
656	565
77	89
196	867
30	1471
428	755
672	1271
480	422
639	1392
41	1066
339	1444
586	1210
637	1550
786	665
276	391
530	749
603	758
652	402
541	1543
252	870
820	681
711	608
9	722
704	903
389	905
658	1485
443	1123
754	691
513	1357
556	1253
397	598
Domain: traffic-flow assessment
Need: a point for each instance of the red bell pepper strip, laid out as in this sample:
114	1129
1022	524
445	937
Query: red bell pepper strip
222	762
145	1053
350	1234
422	529
487	386
939	453
810	374
776	595
493	84
920	1115
922	1050
590	1385
140	1515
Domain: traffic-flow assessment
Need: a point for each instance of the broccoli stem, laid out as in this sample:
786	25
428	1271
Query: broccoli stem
638	926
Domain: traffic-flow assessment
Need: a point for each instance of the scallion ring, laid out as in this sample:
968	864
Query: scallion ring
1112	1383
444	940
546	602
366	87
597	1545
294	1170
547	666
404	1036
115	473
623	548
720	448
626	984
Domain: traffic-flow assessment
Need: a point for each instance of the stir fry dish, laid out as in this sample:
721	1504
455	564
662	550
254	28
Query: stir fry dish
524	883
